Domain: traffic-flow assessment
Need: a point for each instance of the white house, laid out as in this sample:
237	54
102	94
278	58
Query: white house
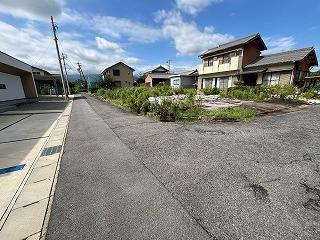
185	79
16	80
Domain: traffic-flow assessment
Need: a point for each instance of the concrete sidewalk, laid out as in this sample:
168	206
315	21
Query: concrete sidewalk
27	195
105	192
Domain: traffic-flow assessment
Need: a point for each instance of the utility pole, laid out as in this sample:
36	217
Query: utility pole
54	30
82	74
80	71
169	64
64	56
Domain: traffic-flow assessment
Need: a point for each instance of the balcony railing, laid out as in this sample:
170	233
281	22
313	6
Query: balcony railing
235	64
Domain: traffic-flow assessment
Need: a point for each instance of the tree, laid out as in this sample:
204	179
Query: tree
79	86
107	82
141	78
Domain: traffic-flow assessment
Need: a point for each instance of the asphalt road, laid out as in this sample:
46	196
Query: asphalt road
257	180
105	192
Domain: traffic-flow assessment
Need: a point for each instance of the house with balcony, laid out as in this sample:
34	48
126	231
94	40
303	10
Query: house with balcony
241	60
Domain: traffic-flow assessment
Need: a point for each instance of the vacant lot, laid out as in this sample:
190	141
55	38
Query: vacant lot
257	180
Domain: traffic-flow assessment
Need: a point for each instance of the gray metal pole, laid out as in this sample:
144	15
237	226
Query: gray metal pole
59	58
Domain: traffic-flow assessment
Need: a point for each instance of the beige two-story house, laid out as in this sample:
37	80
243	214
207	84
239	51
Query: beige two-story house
241	60
121	74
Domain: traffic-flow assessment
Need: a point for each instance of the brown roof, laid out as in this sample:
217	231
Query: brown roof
236	43
117	64
285	57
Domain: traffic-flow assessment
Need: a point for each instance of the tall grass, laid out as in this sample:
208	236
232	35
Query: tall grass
261	92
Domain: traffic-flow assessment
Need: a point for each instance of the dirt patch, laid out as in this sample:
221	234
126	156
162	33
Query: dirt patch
273	106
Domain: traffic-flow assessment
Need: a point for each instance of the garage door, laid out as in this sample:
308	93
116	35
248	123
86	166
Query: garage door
10	87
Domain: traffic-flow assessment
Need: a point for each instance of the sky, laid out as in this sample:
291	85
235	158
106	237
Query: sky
147	33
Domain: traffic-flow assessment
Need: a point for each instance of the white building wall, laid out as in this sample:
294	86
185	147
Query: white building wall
14	89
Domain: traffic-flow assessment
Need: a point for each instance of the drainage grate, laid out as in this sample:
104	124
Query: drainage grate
51	150
11	169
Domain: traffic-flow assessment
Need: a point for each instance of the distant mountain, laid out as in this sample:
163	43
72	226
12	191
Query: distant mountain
75	77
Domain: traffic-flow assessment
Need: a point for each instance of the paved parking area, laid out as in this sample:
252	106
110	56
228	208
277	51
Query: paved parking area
23	133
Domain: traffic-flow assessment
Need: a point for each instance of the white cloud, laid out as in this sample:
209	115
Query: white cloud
279	44
34	49
40	10
193	7
111	47
134	31
187	37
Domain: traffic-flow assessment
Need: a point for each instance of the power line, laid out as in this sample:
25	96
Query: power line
43	53
68	59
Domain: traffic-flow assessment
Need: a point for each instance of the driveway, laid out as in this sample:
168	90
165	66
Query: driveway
125	176
23	132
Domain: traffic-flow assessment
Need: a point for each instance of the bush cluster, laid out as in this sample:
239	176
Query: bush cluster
135	99
211	91
260	92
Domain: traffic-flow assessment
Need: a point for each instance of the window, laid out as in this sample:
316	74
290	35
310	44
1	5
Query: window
271	79
3	86
239	53
210	62
117	83
207	83
176	82
223	82
36	73
225	59
116	72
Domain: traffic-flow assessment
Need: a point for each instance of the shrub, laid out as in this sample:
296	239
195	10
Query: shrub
260	92
101	92
79	86
310	94
166	110
282	91
233	113
211	91
162	90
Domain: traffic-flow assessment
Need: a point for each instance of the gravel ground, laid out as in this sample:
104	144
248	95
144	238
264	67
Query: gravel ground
256	180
